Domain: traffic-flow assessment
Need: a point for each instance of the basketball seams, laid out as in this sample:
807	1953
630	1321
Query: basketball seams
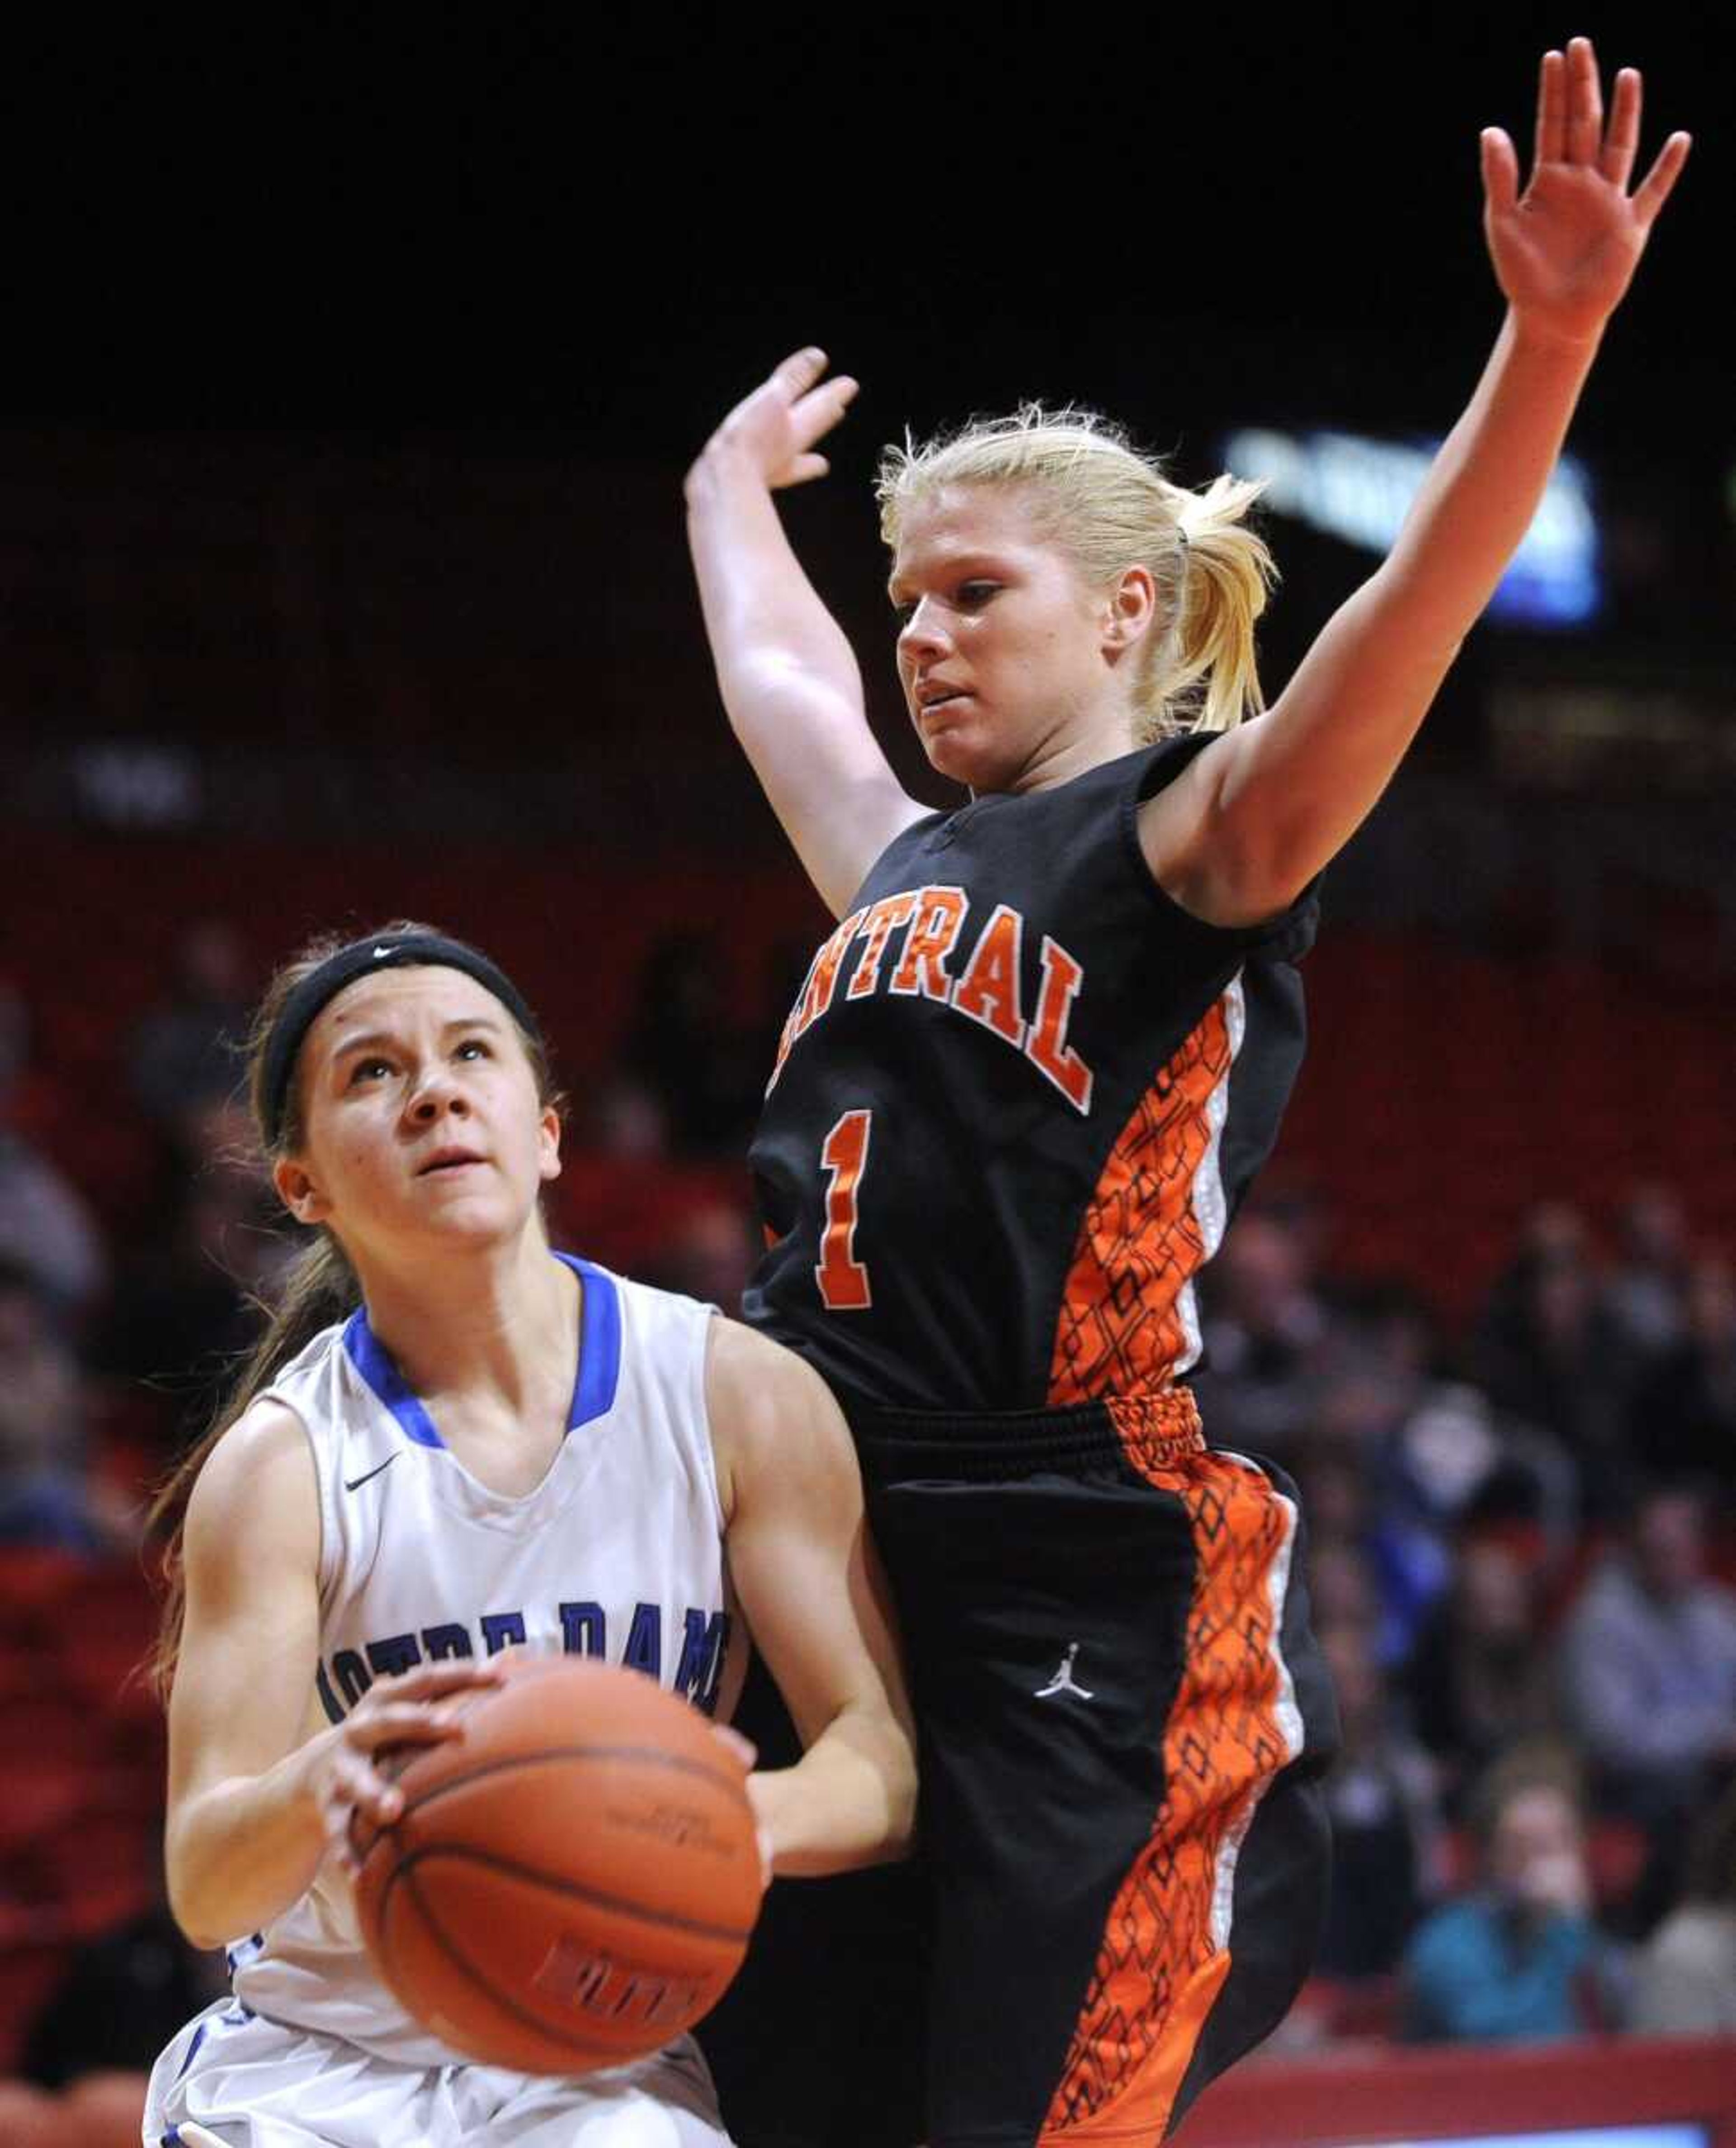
595	1840
493	1861
675	1763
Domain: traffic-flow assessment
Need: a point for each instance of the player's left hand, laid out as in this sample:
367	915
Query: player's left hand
744	1750
1565	250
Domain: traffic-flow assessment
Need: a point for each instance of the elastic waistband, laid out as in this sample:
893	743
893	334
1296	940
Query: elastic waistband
1150	1432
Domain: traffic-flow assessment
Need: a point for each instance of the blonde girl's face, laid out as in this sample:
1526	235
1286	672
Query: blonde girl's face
420	1115
1006	657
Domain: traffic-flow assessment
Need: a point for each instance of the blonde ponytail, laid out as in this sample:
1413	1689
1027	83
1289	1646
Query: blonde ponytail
1110	507
1210	680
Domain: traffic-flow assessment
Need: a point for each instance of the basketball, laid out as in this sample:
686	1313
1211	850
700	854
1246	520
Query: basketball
573	1884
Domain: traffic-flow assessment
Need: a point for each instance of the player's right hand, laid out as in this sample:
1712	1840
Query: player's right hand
344	1777
775	429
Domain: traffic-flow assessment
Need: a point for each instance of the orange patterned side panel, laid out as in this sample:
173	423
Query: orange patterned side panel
1161	1964
1119	1330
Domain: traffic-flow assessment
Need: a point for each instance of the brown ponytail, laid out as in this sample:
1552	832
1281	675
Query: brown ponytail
320	1287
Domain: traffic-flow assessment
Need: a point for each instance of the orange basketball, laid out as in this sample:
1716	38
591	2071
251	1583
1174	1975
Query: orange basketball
573	1884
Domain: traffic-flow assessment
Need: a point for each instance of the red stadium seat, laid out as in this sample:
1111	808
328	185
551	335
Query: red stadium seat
33	1584
34	1951
103	1865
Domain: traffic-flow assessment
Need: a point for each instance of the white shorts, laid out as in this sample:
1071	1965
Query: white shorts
252	2083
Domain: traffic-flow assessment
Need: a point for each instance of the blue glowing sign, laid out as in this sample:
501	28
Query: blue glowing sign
1360	489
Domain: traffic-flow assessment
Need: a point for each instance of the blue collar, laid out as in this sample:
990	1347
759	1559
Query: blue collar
594	1389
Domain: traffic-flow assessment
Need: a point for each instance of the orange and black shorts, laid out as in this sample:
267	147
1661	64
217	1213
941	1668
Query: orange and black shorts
1124	1849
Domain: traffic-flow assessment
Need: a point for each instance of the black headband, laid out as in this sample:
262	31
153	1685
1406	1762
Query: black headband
389	950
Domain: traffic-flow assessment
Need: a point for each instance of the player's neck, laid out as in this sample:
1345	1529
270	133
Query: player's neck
1086	744
496	1327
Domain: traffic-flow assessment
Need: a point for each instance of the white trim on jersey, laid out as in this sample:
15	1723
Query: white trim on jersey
1205	1196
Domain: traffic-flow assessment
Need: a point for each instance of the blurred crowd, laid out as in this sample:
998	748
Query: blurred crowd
1520	1541
1519	1535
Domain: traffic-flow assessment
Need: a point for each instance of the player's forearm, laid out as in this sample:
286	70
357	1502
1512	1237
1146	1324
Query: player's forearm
240	1852
850	1801
772	639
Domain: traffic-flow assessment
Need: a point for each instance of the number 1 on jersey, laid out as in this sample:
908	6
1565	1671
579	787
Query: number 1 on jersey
842	1278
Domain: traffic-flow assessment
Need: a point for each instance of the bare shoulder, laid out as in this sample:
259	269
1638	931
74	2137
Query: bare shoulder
769	1407
749	1375
257	1489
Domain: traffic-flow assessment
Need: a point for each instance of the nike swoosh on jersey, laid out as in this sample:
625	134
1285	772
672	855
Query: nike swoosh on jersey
350	1483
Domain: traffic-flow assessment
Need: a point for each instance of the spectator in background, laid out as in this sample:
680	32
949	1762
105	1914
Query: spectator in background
45	1493
1343	1468
1519	1960
1479	1682
124	1994
185	1053
1645	1289
1262	1327
1386	1821
1682	1421
45	1228
683	1045
1649	1662
1685	1977
710	1255
635	1208
1542	1353
185	1305
1341	1589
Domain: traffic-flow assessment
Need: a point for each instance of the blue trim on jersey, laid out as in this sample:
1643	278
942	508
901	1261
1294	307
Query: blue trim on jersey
593	1387
600	1344
192	2049
375	1363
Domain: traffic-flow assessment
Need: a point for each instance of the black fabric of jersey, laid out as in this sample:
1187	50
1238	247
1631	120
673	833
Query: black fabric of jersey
980	1162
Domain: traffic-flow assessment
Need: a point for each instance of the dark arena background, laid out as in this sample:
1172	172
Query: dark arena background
350	373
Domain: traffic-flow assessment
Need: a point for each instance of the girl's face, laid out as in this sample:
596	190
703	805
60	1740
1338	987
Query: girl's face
1008	659
420	1115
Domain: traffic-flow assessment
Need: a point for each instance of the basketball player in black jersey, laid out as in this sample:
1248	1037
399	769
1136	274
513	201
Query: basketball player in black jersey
1026	1081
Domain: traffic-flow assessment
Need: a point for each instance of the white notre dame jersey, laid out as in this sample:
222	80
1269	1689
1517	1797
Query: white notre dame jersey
617	1553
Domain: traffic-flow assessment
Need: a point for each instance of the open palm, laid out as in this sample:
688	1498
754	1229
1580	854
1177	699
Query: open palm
779	424
1565	250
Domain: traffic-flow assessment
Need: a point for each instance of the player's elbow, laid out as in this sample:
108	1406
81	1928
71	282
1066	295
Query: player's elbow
194	1912
898	1775
211	1894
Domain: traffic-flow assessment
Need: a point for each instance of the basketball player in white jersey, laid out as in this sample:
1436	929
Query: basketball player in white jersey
455	1441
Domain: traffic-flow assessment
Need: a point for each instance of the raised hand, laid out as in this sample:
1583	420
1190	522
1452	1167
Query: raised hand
1565	250
776	426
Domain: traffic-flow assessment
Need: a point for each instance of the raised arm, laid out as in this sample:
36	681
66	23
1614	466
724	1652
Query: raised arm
808	1581
1258	812
255	1802
788	677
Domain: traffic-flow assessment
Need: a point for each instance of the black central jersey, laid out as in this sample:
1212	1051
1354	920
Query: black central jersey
1015	1105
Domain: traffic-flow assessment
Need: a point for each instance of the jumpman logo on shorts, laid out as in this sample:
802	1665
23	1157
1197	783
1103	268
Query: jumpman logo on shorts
1063	1680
